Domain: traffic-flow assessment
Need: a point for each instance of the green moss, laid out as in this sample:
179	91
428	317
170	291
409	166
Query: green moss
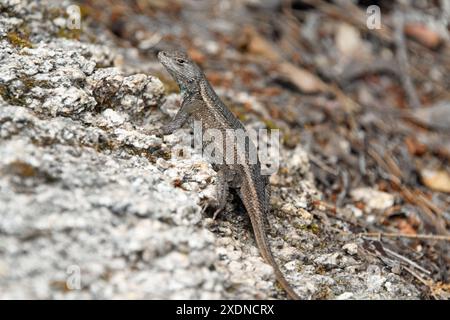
85	11
19	39
9	97
166	155
270	125
22	169
323	245
242	117
69	33
290	140
28	84
64	32
99	65
314	228
25	170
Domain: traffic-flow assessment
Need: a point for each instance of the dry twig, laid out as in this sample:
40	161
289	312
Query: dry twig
379	235
402	58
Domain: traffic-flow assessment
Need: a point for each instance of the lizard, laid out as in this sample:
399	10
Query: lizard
201	103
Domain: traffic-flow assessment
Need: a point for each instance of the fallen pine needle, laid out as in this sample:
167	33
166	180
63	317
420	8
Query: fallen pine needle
403	235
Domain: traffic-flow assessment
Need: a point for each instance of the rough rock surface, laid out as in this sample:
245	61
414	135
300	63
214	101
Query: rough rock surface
92	207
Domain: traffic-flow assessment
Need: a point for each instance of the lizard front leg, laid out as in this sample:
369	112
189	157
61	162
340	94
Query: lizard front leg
188	107
176	123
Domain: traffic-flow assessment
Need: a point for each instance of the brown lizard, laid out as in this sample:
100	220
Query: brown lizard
201	103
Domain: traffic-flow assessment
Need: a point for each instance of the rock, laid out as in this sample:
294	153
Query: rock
436	117
351	248
329	260
348	40
111	118
373	199
374	282
438	180
345	296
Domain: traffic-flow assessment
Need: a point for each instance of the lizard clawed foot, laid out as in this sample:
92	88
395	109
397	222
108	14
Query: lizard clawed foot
220	209
203	208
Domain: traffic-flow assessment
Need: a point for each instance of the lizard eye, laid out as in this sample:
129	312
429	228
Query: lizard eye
180	61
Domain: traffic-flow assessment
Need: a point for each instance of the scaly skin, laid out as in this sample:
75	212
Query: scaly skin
201	103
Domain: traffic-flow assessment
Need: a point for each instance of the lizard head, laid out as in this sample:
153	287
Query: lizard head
181	68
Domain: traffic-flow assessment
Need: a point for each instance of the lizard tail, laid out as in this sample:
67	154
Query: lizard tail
257	221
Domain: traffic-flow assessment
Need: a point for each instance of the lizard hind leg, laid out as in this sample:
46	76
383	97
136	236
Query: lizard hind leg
222	192
226	179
